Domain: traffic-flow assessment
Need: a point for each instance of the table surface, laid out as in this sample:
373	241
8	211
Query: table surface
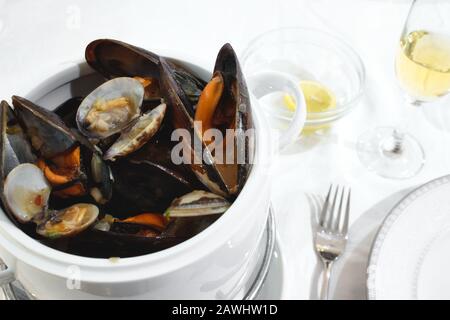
37	37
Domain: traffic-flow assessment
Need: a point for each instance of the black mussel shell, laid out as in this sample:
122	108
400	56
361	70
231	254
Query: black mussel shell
143	186
113	58
67	111
48	133
105	244
14	150
189	226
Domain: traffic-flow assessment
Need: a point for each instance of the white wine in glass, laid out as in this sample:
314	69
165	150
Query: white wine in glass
422	67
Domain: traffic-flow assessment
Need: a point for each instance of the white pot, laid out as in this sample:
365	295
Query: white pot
218	263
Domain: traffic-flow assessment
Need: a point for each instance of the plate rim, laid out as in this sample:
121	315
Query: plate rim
386	225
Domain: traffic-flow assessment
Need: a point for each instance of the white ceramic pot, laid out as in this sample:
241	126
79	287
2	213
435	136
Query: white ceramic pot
218	263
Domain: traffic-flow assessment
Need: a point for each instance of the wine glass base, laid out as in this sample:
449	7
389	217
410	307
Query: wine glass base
399	164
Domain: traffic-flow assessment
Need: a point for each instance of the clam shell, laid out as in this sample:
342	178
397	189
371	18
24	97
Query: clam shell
197	203
112	89
26	192
69	221
138	134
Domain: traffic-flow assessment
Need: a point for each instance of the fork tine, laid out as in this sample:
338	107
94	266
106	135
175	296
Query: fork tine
347	214
333	205
323	214
338	218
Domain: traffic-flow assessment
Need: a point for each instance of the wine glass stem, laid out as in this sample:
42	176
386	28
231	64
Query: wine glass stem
393	146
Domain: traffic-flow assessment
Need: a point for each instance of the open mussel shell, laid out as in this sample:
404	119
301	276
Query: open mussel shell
192	213
26	192
14	145
197	203
47	132
137	134
110	108
230	110
68	222
113	58
182	115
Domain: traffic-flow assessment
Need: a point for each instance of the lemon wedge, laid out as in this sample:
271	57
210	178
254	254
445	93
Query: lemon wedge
318	98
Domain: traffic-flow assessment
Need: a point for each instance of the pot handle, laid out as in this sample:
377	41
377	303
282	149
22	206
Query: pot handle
265	82
7	275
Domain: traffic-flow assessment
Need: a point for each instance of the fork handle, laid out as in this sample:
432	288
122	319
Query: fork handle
327	265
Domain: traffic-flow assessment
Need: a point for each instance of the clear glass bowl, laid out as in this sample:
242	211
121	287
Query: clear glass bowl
310	54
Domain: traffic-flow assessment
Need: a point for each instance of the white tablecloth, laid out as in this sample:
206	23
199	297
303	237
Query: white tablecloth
37	36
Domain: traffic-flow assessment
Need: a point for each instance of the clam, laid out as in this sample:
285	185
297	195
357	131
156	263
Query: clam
192	213
197	203
137	134
26	195
110	108
68	222
26	192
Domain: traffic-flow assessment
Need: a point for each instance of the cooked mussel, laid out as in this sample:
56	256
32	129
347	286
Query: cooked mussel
114	58
48	134
224	105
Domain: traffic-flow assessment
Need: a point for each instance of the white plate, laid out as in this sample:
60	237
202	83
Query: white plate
410	256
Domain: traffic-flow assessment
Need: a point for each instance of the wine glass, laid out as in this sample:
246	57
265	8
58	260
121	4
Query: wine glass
422	67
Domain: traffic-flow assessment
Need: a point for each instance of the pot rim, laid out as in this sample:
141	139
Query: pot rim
27	250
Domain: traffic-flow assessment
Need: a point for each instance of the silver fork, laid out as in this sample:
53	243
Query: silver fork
331	234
